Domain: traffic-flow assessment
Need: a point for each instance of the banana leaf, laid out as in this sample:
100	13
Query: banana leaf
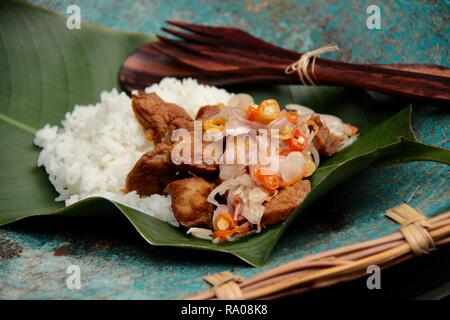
46	69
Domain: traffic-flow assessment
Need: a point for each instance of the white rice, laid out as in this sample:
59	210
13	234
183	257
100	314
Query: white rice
97	145
189	94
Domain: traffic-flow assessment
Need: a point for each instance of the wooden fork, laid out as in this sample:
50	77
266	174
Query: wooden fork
227	56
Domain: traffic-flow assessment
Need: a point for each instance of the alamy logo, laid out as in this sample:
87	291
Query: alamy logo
373	22
374	280
73	281
74	19
255	147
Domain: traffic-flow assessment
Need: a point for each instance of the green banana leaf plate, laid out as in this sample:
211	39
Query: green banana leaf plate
46	69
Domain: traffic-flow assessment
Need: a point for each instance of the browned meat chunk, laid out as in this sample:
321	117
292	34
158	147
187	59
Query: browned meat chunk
155	115
178	123
152	172
209	170
281	206
181	123
189	203
326	143
207	112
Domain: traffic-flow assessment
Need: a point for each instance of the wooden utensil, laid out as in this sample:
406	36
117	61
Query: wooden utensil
226	56
336	265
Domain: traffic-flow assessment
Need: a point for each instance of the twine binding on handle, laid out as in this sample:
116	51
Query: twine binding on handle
225	285
302	64
413	227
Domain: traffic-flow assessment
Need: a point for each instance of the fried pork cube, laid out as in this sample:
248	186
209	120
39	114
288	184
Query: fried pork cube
156	116
207	112
209	170
326	143
189	202
180	123
287	199
153	171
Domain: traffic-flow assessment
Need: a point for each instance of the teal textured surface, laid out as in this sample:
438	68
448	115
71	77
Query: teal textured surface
117	264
